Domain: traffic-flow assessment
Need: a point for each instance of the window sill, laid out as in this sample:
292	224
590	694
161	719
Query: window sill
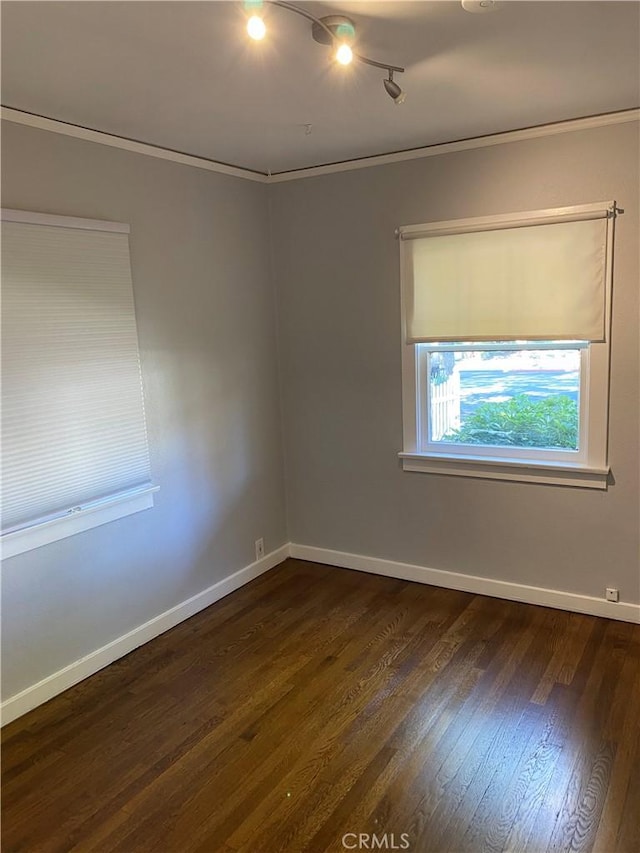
499	468
84	518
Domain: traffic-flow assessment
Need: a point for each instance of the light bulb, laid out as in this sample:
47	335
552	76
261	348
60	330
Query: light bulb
344	54
256	27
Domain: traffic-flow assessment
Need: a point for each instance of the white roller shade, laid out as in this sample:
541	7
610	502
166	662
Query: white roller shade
542	281
72	416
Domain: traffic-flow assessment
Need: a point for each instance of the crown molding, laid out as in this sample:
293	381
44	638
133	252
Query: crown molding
536	132
78	132
568	126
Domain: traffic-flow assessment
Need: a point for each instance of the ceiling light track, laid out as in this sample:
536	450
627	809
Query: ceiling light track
337	31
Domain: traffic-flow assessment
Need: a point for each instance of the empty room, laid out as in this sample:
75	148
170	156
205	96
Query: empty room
320	426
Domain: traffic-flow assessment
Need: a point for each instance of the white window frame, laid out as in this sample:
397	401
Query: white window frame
423	352
588	467
76	519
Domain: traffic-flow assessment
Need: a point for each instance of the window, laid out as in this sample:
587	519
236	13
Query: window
506	346
75	449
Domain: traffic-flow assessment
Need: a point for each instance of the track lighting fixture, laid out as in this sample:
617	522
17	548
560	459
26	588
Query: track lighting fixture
393	90
336	31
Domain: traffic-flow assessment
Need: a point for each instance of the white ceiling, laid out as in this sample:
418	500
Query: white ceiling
185	76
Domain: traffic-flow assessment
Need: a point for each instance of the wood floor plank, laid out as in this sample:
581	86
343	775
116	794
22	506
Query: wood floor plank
315	702
628	838
256	747
622	728
331	734
346	768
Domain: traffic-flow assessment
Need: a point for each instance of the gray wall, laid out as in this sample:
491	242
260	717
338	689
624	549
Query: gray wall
205	309
338	290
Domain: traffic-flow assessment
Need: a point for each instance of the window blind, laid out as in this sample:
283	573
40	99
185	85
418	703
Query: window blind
511	281
72	416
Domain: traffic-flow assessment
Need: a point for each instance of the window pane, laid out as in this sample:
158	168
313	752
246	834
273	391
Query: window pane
516	398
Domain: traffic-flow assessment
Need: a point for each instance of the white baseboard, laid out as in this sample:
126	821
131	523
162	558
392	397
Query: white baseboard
471	583
56	683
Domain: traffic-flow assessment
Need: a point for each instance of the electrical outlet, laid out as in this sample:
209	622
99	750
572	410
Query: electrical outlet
259	549
612	594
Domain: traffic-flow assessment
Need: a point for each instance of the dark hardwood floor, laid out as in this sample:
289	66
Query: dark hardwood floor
316	703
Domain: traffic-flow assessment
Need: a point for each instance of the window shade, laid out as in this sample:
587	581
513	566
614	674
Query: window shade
72	416
544	281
